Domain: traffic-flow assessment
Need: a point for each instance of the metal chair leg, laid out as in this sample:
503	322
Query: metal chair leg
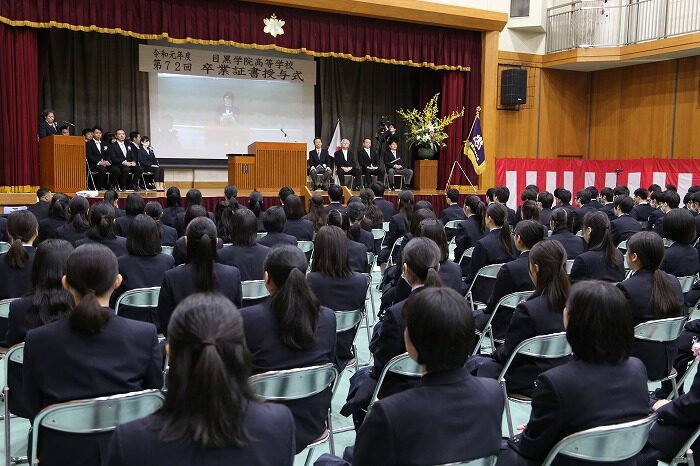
308	456
509	419
331	440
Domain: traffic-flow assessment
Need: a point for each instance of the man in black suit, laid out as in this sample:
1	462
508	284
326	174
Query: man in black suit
595	200
562	198
320	163
369	161
501	196
452	212
274	220
624	226
583	201
122	155
48	127
642	208
545	201
607	196
345	163
98	160
335	193
43	204
396	165
385	206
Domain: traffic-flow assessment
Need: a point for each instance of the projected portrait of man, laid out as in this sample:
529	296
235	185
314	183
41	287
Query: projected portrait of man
228	112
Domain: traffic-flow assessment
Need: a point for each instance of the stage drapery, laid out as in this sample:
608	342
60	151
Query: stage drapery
87	85
240	24
19	99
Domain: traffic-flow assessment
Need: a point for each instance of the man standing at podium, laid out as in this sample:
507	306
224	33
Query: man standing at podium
48	127
345	162
121	155
320	163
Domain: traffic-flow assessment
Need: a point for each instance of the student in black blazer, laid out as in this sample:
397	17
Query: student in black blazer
652	294
421	259
562	199
317	214
541	314
369	162
583	201
201	273
180	248
356	251
192	198
501	196
123	155
451	416
125	355
58	214
573	397
147	159
602	260
102	230
274	220
41	208
513	276
172	207
292	329
78	222
335	194
496	247
111	197
453	211
470	230
244	253
168	234
624	225
345	163
399	224
385	206
143	266
191	428
360	227
681	258
642	209
17	263
573	244
134	206
544	202
297	225
335	284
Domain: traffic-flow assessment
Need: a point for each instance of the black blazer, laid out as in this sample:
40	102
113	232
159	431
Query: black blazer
95	152
386	207
531	318
459	419
180	249
272	239
48	227
658	357
301	229
15	282
580	213
324	159
117	244
141	272
545	215
623	227
336	206
46	129
366	160
137	443
512	219
248	259
40	210
146	158
3	229
357	257
62	365
681	260
591	265
398	227
468	233
656	221
573	245
488	250
513	276
453	212
367	239
641	212
180	222
116	156
180	282
262	333
571	398
170	215
340	161
609	210
168	235
122	224
389	158
69	233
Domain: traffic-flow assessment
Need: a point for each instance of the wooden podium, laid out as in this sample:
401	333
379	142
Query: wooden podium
269	166
62	163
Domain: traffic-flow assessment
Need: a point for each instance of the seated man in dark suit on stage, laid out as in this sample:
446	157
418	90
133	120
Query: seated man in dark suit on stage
98	160
320	163
345	163
122	155
396	165
369	162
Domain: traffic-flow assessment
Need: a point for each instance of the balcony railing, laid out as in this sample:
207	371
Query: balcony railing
585	23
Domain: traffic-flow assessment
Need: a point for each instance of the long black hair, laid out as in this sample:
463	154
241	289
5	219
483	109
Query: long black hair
295	306
552	279
530	232
201	252
433	229
22	227
255	203
50	301
357	220
406	205
331	252
208	375
91	271
172	197
78	207
143	238
422	257
317	214
478	209
499	215
560	220
374	213
59	206
101	222
601	238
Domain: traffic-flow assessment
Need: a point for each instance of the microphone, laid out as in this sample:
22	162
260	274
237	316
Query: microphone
285	133
68	123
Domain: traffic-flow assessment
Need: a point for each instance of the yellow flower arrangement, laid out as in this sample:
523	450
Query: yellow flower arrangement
426	127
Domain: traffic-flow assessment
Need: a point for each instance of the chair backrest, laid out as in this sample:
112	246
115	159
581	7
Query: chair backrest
95	415
14	354
622	246
467	253
687	283
579	233
396	244
551	346
254	289
643	224
385	226
167	250
512	300
569	266
371	261
400	365
660	330
4	246
667	242
452	224
293	384
487	271
485	461
346	320
604	444
139	297
260	235
305	246
378	233
5	308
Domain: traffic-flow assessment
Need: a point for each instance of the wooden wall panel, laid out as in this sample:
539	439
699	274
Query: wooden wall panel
687	136
564	114
517	130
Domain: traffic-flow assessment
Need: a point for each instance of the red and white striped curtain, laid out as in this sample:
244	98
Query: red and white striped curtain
574	175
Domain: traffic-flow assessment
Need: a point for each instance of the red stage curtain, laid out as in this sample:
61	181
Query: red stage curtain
19	100
241	24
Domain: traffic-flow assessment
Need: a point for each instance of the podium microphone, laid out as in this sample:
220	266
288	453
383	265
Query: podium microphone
68	123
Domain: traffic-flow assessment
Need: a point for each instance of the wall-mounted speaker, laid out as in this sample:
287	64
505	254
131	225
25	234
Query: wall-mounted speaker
513	87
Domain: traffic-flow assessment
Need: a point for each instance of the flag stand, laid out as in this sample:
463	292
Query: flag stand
457	164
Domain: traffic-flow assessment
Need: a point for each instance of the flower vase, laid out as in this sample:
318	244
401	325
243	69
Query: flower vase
426	152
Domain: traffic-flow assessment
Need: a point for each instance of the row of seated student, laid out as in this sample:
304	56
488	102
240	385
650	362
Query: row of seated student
210	414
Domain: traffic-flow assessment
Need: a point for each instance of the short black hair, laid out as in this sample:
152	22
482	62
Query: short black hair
274	219
593	190
143	237
621	190
134	204
654	187
670	197
97	128
154	210
377	188
335	193
679	226
600	328
564	195
452	194
490	193
584	196
243	227
284	192
641	192
62	127
85	131
41	192
624	203
502	193
546	199
533	187
293	207
193	197
528	195
133	134
608	194
111	196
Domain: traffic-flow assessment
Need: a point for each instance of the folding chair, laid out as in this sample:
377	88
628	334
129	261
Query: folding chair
307	247
4	247
667	242
5	308
689	370
509	301
139	298
94	415
385	226
297	384
685	454
467	254
397	243
643	224
261	235
550	346
400	365
347	320
452	225
485	461
569	266
379	234
604	444
371	263
622	246
662	331
167	250
687	282
487	271
16	355
254	289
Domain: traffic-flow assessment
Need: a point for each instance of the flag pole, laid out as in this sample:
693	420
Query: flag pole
456	162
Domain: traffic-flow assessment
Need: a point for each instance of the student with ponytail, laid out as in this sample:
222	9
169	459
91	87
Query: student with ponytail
210	416
653	294
16	264
78	223
102	230
559	225
91	353
602	260
180	249
200	274
58	214
471	230
292	330
421	263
